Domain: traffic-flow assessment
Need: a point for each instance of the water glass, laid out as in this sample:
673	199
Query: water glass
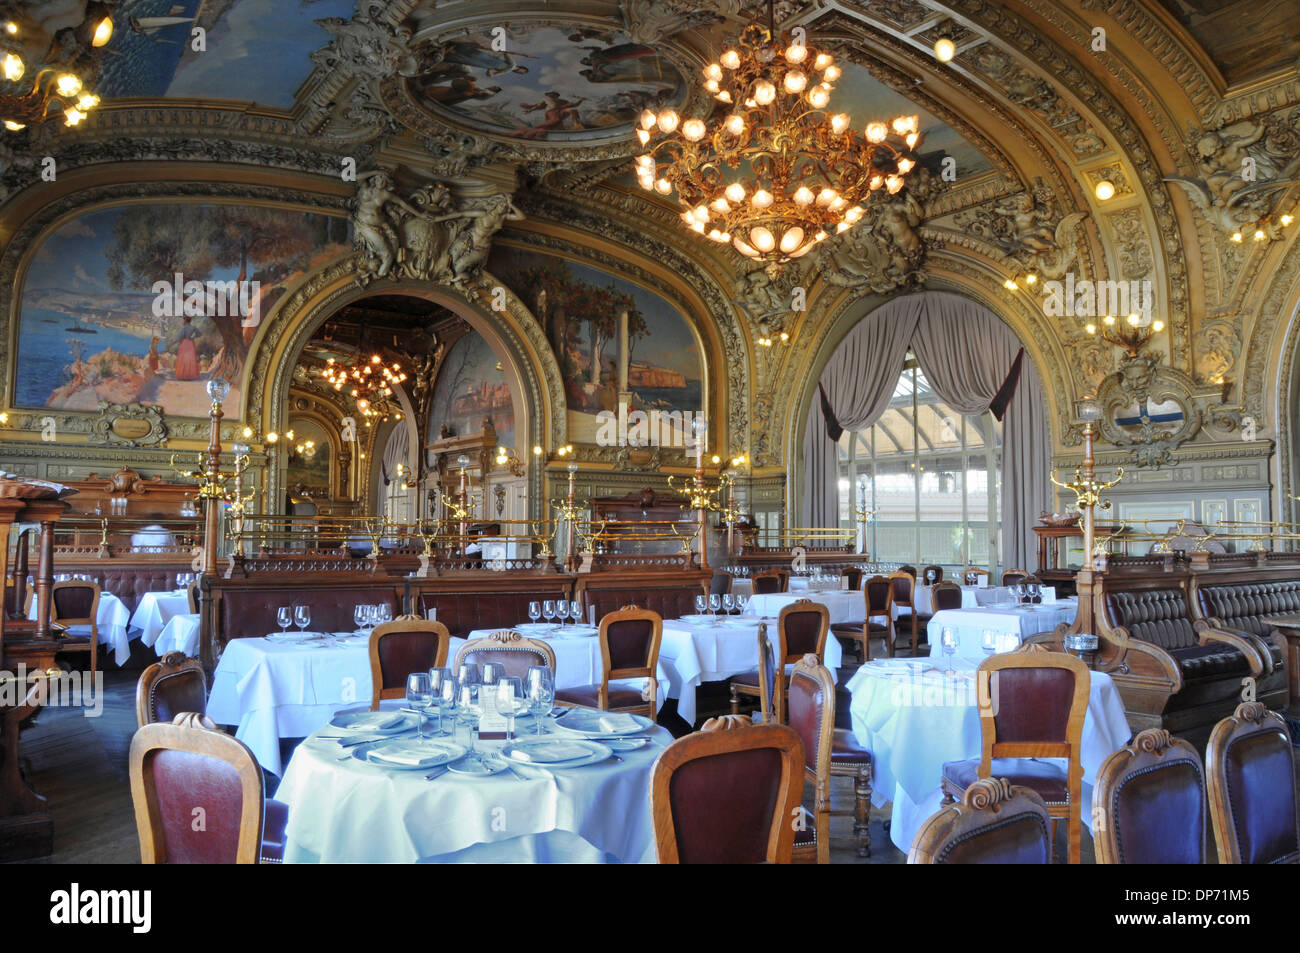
492	672
510	701
301	617
575	612
989	642
540	685
448	701
534	610
284	618
548	610
701	604
419	695
949	642
742	603
728	603
469	700
385	613
715	603
438	681
359	617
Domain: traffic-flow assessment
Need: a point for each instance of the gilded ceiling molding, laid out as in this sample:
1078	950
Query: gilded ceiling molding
1276	318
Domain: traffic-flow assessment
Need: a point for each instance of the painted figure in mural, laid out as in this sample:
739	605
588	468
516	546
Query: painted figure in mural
187	358
467	52
624	63
560	113
459	88
153	359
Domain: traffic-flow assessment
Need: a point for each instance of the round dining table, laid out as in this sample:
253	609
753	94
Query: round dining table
344	809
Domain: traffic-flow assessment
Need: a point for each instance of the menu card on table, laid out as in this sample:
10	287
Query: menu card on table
491	723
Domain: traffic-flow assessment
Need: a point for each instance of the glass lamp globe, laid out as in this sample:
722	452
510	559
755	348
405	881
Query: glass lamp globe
218	388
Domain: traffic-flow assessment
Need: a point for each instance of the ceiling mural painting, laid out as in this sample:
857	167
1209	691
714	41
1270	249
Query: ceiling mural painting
1245	38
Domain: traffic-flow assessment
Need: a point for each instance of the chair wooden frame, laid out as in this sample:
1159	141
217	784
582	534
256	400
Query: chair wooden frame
909	605
506	640
93	646
1250	719
811	667
195	734
169	666
782	680
945	586
1150	749
192	596
975	571
782	578
648	671
868	615
398	626
708	744
1016	575
985	803
1031	656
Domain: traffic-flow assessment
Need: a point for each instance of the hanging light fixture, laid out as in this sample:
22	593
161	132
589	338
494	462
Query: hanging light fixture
772	171
31	92
371	383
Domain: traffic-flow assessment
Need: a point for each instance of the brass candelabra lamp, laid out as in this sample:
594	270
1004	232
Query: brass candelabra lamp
1087	490
1131	333
699	495
568	510
863	514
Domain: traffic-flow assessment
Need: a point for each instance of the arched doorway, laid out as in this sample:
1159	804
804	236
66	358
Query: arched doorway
911	384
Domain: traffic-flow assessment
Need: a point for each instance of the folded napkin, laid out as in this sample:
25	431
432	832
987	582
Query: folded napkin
617	722
550	752
376	721
406	753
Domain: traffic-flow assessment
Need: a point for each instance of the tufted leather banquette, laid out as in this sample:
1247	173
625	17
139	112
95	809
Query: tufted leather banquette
1162	617
1244	607
250	613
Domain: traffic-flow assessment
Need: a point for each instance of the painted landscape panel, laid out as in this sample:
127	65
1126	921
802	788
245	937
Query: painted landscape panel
88	328
579	307
471	386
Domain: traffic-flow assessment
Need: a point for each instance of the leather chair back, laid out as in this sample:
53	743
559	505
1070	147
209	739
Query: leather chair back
1032	704
854	575
1252	788
173	767
399	648
726	797
514	653
170	687
901	587
932	574
766	582
877	596
910	570
1148	803
995	823
74	602
810	702
1012	577
945	595
802	628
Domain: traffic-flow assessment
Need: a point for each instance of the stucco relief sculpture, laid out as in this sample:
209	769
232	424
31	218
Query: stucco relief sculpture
882	252
1028	231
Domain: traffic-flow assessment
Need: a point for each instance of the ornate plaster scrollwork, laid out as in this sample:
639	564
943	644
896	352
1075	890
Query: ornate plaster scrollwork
1137	414
882	253
650	21
428	237
1029	231
372	46
129	425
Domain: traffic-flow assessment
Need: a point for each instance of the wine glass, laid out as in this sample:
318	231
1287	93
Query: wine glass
540	682
715	603
301	618
548	610
510	701
419	695
701	604
438	679
284	618
534	611
728	603
989	642
949	642
492	672
448	701
359	617
385	612
742	603
575	612
469	710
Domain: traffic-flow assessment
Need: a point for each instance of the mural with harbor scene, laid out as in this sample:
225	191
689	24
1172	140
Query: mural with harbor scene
88	326
471	387
580	307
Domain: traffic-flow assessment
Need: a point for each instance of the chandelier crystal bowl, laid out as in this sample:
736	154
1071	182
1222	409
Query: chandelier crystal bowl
771	170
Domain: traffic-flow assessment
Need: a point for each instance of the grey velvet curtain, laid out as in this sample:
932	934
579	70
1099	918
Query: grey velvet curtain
965	352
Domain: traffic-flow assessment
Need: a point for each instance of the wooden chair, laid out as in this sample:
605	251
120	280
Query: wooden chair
932	574
171	765
945	595
769	582
509	649
75	602
629	648
401	647
1252	788
192	592
828	752
910	570
902	592
1013	577
1032	704
1148	803
727	797
974	576
875	605
801	628
168	688
720	584
854	575
995	823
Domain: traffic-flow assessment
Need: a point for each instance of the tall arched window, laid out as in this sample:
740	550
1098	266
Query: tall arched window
930	474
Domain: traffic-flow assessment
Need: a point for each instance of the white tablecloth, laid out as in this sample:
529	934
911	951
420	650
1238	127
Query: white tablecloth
111	620
350	812
156	610
1012	625
274	690
180	634
744	586
913	724
692	653
843	606
577	662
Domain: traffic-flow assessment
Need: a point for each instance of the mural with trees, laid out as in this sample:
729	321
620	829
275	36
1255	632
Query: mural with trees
120	280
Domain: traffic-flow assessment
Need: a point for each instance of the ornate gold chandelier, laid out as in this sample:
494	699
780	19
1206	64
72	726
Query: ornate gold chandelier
370	384
770	170
32	92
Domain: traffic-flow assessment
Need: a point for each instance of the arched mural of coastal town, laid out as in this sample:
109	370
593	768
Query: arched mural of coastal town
470	389
93	325
582	309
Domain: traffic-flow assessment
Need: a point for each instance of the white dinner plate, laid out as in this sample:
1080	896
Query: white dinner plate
595	752
697	618
626	744
586	723
741	622
473	768
577	632
348	721
535	627
440	753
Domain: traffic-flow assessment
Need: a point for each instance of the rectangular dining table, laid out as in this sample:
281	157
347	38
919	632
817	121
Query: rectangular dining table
843	605
155	610
1013	624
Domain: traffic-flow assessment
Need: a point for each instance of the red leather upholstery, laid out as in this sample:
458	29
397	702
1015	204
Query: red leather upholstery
806	707
763	585
853	575
1261	790
629	643
1044	778
401	653
1013	839
249	613
722	806
275	818
463	612
846	750
944	597
72	601
1031	704
589	696
671	602
802	633
513	662
184	781
1158	815
175	693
